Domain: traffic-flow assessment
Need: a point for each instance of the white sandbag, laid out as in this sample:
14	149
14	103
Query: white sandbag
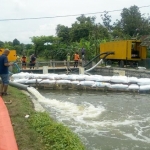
90	78
132	79
119	79
101	84
43	76
21	75
86	83
74	82
51	76
63	81
118	86
72	77
141	68
81	77
20	80
144	87
61	77
103	78
144	81
35	76
48	81
133	87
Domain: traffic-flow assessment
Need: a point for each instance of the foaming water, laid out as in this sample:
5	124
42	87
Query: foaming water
78	112
102	120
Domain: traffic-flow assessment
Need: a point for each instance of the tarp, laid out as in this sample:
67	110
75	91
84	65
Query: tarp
7	138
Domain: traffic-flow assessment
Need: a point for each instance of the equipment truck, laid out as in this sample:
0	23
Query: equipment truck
125	52
12	55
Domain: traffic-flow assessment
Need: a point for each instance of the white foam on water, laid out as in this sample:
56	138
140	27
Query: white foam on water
131	136
68	109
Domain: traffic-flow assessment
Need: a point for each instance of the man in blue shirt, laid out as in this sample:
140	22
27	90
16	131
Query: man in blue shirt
4	72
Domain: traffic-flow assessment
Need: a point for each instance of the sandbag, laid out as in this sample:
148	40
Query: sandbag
61	77
118	86
101	84
86	83
103	78
133	87
144	87
119	79
132	79
20	75
63	81
91	78
72	77
144	81
80	77
74	82
48	81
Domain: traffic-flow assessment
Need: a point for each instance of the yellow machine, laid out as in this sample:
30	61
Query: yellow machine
11	56
124	51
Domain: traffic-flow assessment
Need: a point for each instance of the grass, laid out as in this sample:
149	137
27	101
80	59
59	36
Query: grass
39	131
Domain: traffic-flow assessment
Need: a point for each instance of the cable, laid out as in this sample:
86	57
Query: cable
64	15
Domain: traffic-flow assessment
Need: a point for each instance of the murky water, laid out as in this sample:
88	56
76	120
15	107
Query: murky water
104	121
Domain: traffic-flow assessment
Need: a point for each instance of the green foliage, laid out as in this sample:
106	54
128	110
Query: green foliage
63	32
55	135
106	20
1	44
133	22
81	28
30	52
16	42
148	53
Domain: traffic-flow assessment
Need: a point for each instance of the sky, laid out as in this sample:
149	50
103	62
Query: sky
24	29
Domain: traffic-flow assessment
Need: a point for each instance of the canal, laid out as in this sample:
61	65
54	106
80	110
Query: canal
103	120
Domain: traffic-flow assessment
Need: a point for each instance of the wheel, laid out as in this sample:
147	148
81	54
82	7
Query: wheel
122	64
109	62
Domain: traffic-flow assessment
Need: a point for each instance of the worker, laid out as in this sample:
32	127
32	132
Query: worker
83	53
24	61
17	58
4	72
32	61
76	59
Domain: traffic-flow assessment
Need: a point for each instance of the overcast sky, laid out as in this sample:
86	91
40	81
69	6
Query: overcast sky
24	29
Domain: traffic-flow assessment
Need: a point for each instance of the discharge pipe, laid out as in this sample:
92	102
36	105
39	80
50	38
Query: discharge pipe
101	61
18	85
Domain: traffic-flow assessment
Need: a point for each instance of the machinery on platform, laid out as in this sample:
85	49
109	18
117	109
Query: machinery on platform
12	55
125	52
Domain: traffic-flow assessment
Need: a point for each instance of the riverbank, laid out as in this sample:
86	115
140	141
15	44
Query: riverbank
36	130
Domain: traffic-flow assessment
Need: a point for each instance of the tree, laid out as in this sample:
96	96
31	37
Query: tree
106	21
81	28
1	44
131	20
16	42
63	32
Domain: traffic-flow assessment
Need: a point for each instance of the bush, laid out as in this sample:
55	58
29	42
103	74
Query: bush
55	135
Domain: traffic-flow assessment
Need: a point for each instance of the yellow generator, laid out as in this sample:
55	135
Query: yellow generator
12	55
125	51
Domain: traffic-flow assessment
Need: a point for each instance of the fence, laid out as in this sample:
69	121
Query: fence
51	63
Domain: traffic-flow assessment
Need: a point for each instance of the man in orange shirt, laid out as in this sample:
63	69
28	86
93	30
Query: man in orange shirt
76	59
24	61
